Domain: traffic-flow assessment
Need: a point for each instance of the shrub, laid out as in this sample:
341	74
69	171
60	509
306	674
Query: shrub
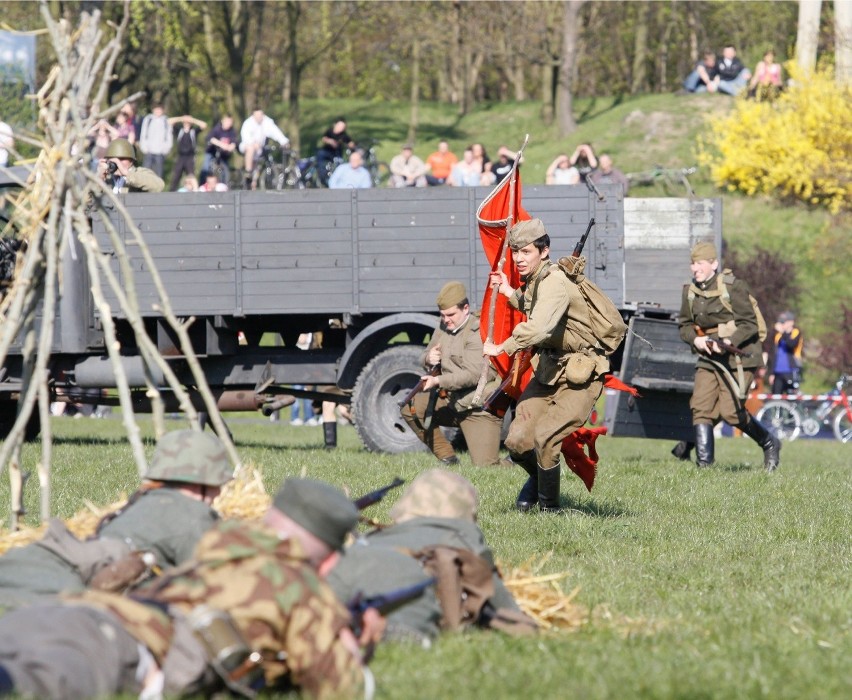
798	147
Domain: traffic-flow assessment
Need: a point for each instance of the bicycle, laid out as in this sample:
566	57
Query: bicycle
277	169
379	170
670	178
787	420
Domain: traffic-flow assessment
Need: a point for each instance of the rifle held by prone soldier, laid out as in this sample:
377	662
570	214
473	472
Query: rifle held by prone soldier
385	603
369	499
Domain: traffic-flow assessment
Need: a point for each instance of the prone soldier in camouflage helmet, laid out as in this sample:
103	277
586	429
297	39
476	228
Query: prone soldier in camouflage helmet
716	320
454	360
436	512
121	170
250	611
166	518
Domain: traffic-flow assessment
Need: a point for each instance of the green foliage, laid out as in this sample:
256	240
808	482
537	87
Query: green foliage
721	583
796	148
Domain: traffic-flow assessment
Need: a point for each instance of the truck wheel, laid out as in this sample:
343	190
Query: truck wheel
383	382
8	413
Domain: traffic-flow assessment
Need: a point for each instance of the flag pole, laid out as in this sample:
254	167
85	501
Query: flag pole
504	246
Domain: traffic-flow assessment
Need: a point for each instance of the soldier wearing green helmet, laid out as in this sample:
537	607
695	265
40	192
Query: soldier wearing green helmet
119	168
165	518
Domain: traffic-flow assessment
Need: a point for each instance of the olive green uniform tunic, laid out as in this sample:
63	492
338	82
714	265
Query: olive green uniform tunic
558	327
461	367
713	397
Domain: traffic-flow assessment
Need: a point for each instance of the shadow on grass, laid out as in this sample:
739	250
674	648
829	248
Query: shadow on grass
88	440
592	508
737	467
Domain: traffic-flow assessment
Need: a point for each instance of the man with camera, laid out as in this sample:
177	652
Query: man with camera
120	171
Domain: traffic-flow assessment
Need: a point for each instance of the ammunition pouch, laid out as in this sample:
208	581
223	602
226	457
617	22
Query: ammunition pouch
128	572
228	653
727	329
580	368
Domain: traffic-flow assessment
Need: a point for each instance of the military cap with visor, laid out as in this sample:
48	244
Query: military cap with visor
525	232
320	508
191	457
451	294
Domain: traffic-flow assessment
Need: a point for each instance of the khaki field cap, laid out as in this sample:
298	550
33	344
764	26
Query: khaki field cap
122	148
191	457
437	493
318	507
525	232
703	251
451	294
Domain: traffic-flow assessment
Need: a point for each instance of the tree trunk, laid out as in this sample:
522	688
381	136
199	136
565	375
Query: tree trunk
415	90
843	42
548	83
564	101
639	78
294	71
807	37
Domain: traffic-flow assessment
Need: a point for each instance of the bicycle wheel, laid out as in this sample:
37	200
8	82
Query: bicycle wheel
782	419
842	425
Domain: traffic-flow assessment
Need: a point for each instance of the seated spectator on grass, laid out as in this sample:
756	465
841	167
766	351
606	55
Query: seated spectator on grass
609	175
351	175
561	172
440	164
407	170
481	159
705	76
765	84
190	184
733	75
212	184
466	173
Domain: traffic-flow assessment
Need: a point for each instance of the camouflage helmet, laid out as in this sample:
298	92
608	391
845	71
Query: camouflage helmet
191	457
122	148
437	493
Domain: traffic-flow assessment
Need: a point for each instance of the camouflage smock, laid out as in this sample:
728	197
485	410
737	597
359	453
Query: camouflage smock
276	600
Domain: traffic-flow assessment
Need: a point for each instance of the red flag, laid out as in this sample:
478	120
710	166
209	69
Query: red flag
582	464
493	215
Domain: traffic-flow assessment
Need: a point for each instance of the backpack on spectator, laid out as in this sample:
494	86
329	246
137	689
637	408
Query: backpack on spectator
608	327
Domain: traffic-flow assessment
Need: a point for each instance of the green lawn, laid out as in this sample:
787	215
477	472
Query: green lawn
724	583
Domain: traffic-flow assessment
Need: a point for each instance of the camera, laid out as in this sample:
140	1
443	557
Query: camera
112	167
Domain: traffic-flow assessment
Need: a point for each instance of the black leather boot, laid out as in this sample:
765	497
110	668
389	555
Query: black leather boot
703	445
329	430
683	450
528	496
548	489
770	444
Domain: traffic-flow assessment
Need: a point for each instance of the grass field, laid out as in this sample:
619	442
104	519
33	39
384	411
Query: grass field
723	583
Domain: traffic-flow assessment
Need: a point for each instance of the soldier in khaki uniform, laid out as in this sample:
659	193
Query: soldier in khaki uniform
568	369
265	581
456	347
708	325
120	169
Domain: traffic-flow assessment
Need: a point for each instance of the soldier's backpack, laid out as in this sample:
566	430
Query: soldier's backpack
608	327
725	279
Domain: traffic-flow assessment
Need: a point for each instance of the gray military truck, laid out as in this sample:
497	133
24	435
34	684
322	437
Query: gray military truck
362	268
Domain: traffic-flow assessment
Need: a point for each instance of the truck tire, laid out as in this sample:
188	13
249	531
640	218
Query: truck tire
383	382
8	413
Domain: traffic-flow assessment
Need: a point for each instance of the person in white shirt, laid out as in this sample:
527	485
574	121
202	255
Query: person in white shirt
256	129
7	143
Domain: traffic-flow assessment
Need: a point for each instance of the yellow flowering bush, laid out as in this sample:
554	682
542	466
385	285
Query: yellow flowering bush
798	147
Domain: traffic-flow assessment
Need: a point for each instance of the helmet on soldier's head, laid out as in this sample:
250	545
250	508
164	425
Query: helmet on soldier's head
437	493
191	457
122	148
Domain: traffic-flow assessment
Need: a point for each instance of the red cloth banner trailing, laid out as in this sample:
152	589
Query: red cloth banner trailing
582	464
493	215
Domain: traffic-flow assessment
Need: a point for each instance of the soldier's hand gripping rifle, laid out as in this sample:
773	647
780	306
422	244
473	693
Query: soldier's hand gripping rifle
369	499
384	603
433	372
723	347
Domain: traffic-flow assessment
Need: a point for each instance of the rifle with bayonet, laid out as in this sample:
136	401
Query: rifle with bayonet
369	499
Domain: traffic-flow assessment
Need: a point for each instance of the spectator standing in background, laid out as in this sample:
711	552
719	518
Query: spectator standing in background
186	138
7	143
440	164
156	139
503	165
583	158
787	364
